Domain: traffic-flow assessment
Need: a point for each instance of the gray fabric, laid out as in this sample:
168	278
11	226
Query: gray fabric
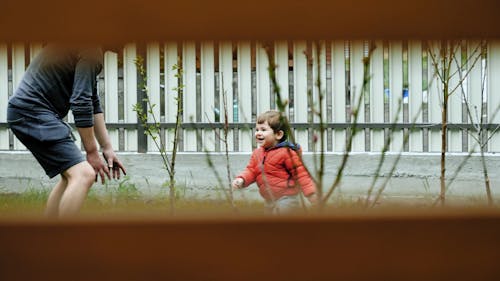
48	138
61	78
284	205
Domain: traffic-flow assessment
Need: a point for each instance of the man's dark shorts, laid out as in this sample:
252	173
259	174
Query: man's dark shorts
47	137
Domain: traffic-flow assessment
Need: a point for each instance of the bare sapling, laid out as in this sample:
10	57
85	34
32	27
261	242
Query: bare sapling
381	161
225	130
226	187
406	138
153	129
477	118
319	111
442	63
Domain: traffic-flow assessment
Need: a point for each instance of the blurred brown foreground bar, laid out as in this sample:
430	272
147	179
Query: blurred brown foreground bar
123	21
395	246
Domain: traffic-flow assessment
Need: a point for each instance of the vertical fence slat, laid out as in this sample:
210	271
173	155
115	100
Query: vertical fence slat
435	100
316	92
153	83
245	94
474	92
171	84
18	64
493	92
263	83
207	92
357	50
323	81
377	96
455	103
70	117
35	49
396	84
339	94
18	69
281	60
130	94
4	95
226	91
111	94
415	93
189	104
300	92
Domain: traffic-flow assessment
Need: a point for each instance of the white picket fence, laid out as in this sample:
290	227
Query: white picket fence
403	94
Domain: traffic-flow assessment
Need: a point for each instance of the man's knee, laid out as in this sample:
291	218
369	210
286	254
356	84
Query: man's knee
81	172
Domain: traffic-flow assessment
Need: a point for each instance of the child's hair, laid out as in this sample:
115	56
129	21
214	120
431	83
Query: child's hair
276	120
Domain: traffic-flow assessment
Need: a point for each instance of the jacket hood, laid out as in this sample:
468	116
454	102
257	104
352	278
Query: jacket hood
293	146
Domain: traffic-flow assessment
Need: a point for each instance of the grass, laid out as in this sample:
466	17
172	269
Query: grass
127	200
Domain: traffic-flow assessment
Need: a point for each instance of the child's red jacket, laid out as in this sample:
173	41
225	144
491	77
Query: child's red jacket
278	172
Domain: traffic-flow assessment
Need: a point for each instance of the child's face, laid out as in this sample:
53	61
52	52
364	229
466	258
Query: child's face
265	136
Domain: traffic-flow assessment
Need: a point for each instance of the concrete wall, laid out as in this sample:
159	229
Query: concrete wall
416	176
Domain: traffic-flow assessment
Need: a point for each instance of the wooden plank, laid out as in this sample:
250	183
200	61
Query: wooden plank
316	92
300	104
281	61
189	102
226	91
35	49
171	84
435	99
455	103
357	103
395	247
153	88
474	92
245	94
339	94
111	94
263	83
388	19
208	92
377	95
18	69
396	91
493	96
4	94
130	94
415	94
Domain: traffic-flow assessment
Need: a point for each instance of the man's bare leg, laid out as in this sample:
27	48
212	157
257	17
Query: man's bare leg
79	178
52	208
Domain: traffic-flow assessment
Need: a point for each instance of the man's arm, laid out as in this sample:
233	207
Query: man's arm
90	146
102	137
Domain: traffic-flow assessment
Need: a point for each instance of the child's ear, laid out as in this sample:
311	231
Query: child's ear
279	134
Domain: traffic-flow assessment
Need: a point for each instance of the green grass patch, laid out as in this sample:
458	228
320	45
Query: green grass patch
125	199
31	201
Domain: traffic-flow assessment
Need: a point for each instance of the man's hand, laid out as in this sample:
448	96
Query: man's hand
114	165
99	167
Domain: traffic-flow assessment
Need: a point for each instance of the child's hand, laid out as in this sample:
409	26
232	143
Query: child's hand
238	183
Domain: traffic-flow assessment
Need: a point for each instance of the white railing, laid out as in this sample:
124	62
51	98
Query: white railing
236	74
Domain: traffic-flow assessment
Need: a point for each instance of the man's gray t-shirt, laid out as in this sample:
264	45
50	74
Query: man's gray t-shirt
61	78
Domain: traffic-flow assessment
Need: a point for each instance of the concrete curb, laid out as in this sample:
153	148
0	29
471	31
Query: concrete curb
415	174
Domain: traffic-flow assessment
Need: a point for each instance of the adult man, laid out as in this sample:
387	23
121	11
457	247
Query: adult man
60	78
